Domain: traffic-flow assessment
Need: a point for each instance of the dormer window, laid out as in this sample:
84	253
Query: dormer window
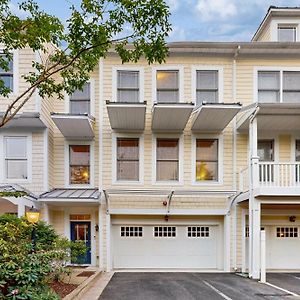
287	33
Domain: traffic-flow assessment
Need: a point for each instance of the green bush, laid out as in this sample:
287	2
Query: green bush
24	274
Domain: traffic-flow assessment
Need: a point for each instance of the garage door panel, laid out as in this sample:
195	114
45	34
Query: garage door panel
152	251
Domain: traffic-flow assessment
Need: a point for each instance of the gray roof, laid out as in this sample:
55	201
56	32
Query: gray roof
71	193
24	120
10	188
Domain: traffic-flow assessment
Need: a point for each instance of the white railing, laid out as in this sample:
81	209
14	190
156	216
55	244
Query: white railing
279	174
273	174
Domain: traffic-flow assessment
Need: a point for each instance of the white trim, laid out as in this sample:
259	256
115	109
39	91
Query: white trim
279	69
220	139
28	136
38	100
123	68
293	22
115	136
46	160
101	122
91	81
108	244
218	68
180	156
67	164
180	70
294	138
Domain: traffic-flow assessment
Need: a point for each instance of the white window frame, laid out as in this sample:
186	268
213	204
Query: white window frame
257	69
294	138
28	152
67	164
131	237
275	138
15	90
220	139
165	237
218	68
92	100
198	237
284	22
180	70
115	81
180	138
115	136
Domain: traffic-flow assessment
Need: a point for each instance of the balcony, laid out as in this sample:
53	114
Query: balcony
126	116
274	179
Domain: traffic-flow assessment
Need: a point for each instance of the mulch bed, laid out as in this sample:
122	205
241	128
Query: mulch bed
86	274
63	289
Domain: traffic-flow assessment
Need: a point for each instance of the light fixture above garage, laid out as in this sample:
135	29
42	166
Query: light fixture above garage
292	218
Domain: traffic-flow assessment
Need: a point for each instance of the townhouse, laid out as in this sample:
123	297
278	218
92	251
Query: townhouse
174	166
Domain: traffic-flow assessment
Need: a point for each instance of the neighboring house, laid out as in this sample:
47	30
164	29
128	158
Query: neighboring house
172	166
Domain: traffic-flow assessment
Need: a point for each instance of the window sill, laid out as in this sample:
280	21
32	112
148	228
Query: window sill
16	181
168	183
207	182
127	182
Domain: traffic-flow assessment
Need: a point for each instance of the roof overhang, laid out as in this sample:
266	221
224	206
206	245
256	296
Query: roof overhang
170	117
72	196
25	120
214	117
126	116
74	127
271	116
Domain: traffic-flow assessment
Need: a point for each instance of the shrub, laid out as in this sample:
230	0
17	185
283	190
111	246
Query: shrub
24	274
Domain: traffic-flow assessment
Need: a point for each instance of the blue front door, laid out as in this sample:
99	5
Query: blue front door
81	231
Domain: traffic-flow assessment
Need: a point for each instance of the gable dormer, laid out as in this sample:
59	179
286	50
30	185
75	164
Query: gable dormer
281	24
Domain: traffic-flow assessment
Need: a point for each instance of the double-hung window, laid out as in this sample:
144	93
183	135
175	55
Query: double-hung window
128	86
207	163
167	86
287	33
79	164
207	83
7	75
128	159
167	159
16	157
279	86
80	101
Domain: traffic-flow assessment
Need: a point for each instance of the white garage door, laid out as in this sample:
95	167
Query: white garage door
282	247
158	246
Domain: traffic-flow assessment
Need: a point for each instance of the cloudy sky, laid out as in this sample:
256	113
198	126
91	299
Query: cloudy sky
202	20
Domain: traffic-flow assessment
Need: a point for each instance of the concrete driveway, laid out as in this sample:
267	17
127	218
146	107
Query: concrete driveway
187	286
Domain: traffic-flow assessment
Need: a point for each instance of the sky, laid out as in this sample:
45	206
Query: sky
201	20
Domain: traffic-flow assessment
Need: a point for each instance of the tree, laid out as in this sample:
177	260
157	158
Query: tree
132	28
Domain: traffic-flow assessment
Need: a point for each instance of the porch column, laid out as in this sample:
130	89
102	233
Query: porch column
21	210
254	204
46	217
108	243
100	237
227	243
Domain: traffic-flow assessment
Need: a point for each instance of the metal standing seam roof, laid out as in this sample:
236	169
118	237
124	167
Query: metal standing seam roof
71	194
17	188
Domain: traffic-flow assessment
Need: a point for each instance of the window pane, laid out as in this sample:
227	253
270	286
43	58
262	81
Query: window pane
265	150
167	149
128	148
80	155
268	96
80	107
207	80
8	81
268	80
16	169
298	150
206	170
82	95
128	96
286	34
128	79
128	170
15	147
10	65
167	79
207	96
79	175
291	97
291	81
207	150
168	96
167	170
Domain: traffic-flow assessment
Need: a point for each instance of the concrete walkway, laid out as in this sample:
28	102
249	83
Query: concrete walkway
94	290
